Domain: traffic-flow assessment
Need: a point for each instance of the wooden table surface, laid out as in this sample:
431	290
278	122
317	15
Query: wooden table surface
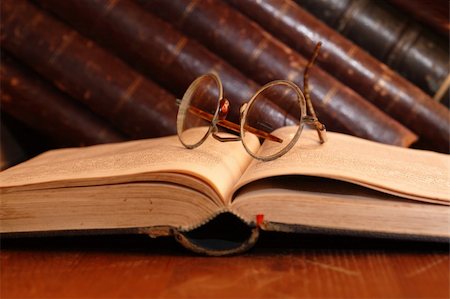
280	266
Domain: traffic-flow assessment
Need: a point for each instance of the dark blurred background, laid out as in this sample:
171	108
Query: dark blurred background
84	72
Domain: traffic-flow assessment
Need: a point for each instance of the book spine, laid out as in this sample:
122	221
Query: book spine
156	48
354	67
87	72
264	58
411	50
42	107
434	13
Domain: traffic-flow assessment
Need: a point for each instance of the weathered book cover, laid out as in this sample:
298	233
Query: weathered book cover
400	42
39	105
157	49
435	13
356	68
87	72
264	58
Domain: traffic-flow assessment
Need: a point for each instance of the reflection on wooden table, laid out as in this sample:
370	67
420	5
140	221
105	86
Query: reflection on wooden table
280	266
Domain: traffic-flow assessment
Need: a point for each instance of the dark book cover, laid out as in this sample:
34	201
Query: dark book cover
264	58
356	68
87	72
39	105
156	49
434	13
394	38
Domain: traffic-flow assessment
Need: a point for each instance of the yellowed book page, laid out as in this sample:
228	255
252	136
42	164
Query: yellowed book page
127	205
345	212
414	174
219	164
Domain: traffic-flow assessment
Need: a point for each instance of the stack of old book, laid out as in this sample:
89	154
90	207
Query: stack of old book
83	72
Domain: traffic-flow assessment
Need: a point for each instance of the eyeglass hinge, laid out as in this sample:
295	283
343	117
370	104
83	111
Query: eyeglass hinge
308	119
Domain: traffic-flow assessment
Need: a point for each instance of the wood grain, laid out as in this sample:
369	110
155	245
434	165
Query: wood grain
281	266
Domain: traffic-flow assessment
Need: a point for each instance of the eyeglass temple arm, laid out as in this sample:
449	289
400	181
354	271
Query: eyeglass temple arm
232	126
320	128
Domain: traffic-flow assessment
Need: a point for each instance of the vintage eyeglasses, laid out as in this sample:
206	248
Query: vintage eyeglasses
203	109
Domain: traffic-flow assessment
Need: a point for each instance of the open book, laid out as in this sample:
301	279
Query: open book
215	199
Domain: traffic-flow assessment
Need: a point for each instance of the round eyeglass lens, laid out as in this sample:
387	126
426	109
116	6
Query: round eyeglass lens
197	110
277	129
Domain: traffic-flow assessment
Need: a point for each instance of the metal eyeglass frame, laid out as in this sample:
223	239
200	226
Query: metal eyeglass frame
219	116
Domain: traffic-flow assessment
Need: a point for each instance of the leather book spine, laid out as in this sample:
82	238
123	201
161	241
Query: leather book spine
262	57
36	103
156	48
87	72
354	67
434	13
410	49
